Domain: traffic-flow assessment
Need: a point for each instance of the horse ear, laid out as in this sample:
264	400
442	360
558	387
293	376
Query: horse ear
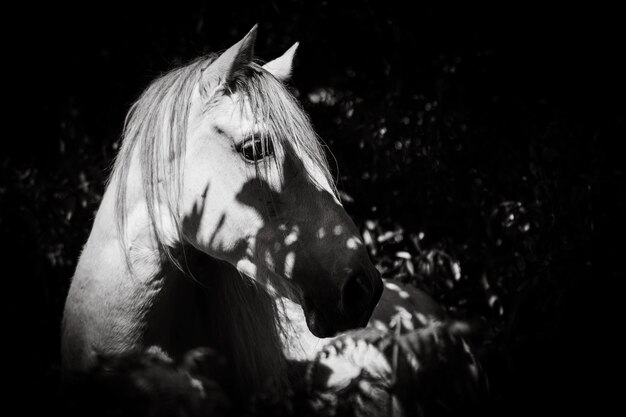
222	69
281	66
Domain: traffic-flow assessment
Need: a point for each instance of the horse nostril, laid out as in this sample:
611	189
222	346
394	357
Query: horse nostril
356	294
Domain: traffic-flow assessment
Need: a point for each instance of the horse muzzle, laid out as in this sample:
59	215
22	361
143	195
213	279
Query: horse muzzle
358	299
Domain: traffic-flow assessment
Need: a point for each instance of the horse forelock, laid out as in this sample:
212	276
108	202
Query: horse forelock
156	130
281	121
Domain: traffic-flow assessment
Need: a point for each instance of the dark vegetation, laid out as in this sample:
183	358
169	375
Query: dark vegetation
477	150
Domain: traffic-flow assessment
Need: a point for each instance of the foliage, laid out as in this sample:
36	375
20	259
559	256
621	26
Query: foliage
370	372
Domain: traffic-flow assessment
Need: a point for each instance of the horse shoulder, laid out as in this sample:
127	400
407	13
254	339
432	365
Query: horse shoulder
105	306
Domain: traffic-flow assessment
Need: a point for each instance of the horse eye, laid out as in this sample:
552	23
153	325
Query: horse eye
256	149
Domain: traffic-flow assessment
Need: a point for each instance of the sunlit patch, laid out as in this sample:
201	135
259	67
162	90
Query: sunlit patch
393	287
337	230
421	318
326	96
246	267
474	371
292	237
197	385
403	255
269	261
404	295
290	261
321	233
402	318
379	324
456	270
353	243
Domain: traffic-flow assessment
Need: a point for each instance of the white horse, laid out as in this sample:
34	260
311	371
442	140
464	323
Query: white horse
220	201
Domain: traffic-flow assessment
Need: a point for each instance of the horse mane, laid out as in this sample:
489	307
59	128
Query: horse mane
242	323
155	131
156	128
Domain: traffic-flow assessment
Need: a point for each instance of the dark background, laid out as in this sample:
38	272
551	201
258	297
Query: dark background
485	139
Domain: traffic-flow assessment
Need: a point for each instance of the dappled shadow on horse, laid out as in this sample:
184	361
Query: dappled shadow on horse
220	211
150	275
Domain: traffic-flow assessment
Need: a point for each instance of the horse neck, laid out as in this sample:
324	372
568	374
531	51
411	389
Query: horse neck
159	305
242	322
107	308
299	344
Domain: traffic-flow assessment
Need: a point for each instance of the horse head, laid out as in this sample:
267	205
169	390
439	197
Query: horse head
257	192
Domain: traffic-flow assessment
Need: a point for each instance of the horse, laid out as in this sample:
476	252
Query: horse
219	202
